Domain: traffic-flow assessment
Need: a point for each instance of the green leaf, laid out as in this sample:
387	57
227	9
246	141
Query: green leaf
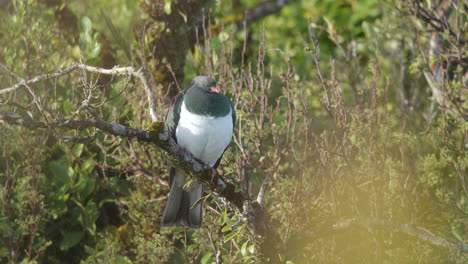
415	67
104	201
224	216
78	149
121	186
244	249
4	227
3	252
60	170
231	235
67	107
86	24
167	7
96	50
206	258
93	61
122	260
92	211
70	239
223	36
200	200
59	208
252	249
226	228
25	261
85	186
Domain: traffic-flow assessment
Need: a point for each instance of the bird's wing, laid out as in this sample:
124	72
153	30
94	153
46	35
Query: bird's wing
173	114
233	115
233	125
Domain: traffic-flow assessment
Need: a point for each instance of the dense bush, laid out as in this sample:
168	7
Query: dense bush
334	115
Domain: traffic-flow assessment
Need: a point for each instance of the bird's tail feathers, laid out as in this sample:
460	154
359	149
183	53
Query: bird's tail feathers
183	206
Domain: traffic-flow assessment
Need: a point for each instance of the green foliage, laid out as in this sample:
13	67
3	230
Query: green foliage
339	129
89	42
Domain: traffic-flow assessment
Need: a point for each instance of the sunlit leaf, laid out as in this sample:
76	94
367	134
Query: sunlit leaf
206	258
231	236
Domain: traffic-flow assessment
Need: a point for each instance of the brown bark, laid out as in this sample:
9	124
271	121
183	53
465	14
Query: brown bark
171	36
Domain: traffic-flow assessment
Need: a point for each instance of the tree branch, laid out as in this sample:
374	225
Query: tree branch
437	72
140	74
419	232
111	128
181	159
262	10
157	135
261	193
438	23
344	224
253	15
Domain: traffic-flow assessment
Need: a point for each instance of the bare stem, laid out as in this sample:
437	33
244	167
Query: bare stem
419	232
140	74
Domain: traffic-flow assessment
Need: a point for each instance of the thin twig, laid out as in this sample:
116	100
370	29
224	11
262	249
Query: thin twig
177	155
140	73
111	128
438	23
344	224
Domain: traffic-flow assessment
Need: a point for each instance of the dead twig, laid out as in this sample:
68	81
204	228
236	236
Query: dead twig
139	73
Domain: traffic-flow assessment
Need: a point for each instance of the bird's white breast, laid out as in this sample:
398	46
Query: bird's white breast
205	137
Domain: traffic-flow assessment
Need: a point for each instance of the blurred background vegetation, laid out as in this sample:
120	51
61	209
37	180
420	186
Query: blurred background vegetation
335	109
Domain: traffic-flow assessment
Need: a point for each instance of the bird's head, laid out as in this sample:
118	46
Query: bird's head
205	83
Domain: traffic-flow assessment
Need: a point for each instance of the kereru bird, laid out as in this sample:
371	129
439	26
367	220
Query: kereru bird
201	121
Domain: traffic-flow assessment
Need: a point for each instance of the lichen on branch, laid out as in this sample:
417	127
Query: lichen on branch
179	158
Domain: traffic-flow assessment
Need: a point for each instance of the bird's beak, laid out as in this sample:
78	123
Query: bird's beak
214	89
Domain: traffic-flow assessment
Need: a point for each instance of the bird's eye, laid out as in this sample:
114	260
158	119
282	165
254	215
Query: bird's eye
204	84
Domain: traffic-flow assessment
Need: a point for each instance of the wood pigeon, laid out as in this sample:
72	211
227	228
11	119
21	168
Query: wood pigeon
201	121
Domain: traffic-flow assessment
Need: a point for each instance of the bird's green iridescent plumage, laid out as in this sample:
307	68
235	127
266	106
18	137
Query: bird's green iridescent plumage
200	100
201	103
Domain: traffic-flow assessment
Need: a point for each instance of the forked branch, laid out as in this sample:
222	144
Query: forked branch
156	134
140	74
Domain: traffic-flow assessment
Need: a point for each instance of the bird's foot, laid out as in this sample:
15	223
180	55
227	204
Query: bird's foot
213	173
